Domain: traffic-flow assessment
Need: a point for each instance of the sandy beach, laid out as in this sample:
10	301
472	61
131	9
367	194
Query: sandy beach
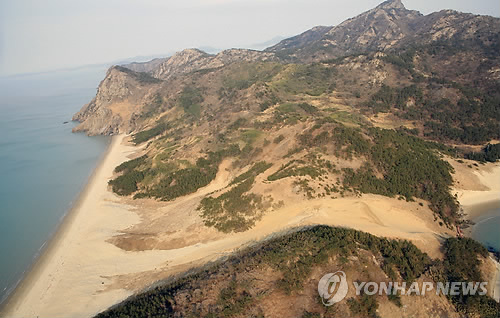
110	247
477	189
54	286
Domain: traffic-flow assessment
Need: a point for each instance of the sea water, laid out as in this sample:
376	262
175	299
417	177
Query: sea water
487	229
43	166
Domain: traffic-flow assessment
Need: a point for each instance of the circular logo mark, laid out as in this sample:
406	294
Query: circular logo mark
332	288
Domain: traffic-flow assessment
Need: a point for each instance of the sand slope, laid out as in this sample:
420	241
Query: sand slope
83	273
67	281
477	188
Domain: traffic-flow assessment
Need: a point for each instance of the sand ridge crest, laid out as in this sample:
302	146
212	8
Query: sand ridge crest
86	272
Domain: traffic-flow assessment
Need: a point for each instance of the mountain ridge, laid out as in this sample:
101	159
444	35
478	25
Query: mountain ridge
418	86
387	26
389	104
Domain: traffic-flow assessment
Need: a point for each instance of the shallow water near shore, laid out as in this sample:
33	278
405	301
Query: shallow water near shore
487	229
43	166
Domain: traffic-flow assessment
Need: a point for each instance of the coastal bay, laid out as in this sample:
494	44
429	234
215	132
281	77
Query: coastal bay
478	191
83	272
43	165
240	182
110	247
479	195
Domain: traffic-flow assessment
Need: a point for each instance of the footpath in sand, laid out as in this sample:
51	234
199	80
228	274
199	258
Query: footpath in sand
84	271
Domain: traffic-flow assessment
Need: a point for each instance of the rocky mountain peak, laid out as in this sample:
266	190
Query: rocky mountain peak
378	29
234	55
190	60
187	54
389	26
375	30
181	62
391	4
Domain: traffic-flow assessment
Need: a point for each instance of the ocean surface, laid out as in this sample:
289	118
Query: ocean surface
43	166
487	229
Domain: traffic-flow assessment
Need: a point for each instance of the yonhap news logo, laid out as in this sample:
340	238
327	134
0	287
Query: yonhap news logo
333	287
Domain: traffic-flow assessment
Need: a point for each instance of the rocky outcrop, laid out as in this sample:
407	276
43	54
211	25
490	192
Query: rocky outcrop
146	67
123	93
97	120
119	97
449	25
388	26
190	60
182	62
237	55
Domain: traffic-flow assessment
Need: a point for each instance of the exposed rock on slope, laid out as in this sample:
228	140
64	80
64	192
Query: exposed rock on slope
119	96
388	28
390	25
145	67
193	59
124	92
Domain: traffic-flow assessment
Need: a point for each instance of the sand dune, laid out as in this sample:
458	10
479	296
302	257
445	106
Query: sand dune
83	273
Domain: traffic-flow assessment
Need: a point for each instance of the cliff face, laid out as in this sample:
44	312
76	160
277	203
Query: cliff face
450	40
119	97
124	92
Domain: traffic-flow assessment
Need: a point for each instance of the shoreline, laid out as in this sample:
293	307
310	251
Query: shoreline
479	203
48	248
482	197
478	211
83	273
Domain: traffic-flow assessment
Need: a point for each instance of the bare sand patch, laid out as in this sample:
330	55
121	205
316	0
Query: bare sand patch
113	247
477	187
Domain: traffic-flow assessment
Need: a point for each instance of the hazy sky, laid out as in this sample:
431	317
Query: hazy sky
38	35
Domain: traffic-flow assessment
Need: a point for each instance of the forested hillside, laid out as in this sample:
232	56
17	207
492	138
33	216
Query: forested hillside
274	278
340	120
384	103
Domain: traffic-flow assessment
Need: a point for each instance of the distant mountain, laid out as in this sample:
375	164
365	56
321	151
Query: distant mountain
263	45
145	67
380	104
398	77
387	27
